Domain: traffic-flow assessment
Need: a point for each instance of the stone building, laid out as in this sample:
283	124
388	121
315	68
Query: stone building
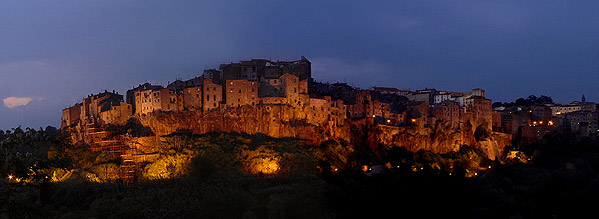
541	113
213	94
177	85
583	123
587	106
259	69
295	91
481	108
563	109
325	111
532	133
447	111
117	114
443	96
480	105
71	116
131	93
95	111
92	106
241	92
425	95
164	99
381	109
192	98
363	107
319	110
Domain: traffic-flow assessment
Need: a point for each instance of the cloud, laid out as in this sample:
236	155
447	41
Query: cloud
12	102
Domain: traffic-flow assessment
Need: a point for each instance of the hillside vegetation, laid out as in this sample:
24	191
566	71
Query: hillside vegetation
220	175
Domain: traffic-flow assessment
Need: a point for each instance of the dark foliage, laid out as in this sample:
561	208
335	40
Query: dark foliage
133	127
529	101
560	181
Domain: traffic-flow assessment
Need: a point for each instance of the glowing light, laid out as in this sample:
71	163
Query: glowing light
388	121
489	167
413	120
336	169
373	116
364	168
476	174
535	122
267	166
550	122
421	168
450	174
9	176
541	122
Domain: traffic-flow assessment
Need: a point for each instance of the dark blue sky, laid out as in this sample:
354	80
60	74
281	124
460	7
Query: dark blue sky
54	53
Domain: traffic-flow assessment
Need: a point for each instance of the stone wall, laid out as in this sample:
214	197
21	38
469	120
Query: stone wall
279	121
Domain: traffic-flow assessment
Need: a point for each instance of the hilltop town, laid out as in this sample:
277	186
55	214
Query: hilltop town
280	99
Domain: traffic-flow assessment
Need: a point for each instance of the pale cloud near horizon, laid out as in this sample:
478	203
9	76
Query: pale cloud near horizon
12	102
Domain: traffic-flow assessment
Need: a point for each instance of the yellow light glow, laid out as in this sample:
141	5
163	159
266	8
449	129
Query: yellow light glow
541	122
373	116
364	168
388	121
9	176
550	122
413	120
266	166
535	122
489	167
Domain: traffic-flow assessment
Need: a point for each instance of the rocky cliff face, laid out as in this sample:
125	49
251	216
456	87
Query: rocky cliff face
441	137
277	121
282	121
